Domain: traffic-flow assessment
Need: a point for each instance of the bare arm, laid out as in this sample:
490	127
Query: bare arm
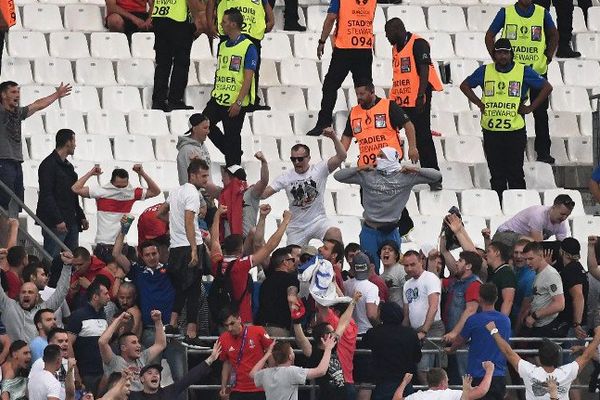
508	298
153	189
113	8
490	38
340	153
512	357
544	94
373	313
163	212
346	317
399	393
137	321
470	309
13	232
594	188
302	341
457	227
261	363
248	78
215	231
578	302
406	320
551	43
40	104
259	256
433	300
72	339
118	254
5	343
79	186
70	380
160	340
210	18
321	369
225	372
260	186
330	19
409	131
556	305
190	228
269	17
589	352
468	91
536	236
592	261
346	141
481	390
106	352
448	257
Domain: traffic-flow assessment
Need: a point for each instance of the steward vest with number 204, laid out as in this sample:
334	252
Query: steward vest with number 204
405	83
254	24
229	75
373	130
527	37
502	97
355	24
176	10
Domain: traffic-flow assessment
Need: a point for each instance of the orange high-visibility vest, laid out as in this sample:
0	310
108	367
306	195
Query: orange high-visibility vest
405	83
373	130
9	17
355	24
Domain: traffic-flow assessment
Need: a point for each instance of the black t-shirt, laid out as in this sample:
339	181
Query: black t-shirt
397	117
273	305
331	385
503	277
571	275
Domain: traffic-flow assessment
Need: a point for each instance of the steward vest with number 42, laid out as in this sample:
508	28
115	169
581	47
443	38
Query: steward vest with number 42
502	97
355	24
176	10
405	83
229	75
254	24
527	37
373	130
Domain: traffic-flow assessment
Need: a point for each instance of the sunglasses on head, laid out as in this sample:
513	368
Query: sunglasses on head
297	159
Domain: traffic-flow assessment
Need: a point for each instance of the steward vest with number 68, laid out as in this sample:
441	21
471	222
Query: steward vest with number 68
254	16
527	37
355	24
502	97
176	10
405	84
229	75
373	130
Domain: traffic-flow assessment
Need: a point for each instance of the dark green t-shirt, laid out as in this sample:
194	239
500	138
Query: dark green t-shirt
503	277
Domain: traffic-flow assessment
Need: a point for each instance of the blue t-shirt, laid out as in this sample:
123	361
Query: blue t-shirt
88	325
251	58
155	291
530	79
37	346
596	174
498	22
483	346
334	7
525	277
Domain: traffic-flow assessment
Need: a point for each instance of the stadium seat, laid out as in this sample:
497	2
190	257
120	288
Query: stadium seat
206	72
42	17
443	123
121	98
200	49
106	122
299	72
111	45
474	225
279	18
450	99
469	123
108	166
382	73
498	2
93	148
580	150
148	123
446	19
479	17
164	174
413	17
305	46
315	94
585	123
133	148
515	200
426	229
268	74
460	69
437	202
471	45
288	99
456	176
557	149
585	226
31	196
166	149
70	45
554	75
253	144
379	91
25	44
69	119
310	141
180	121
82	98
349	203
383	48
197	96
18	26
17	70
33	125
83	17
347	84
350	227
550	195
441	45
329	202
481	176
192	75
142	45
466	149
588	44
563	124
539	175
578	21
584	73
276	46
30	172
480	202
379	21
304	121
315	16
135	72
94	72
267	123
439	149
52	71
30	93
41	146
570	98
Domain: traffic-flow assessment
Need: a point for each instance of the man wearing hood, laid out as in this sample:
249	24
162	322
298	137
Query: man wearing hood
191	145
386	189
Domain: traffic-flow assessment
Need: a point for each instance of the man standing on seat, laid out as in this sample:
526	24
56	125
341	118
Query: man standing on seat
352	51
534	38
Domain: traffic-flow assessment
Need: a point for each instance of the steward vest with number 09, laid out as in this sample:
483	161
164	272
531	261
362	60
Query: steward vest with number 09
355	24
405	83
254	16
527	37
176	10
502	97
373	130
229	75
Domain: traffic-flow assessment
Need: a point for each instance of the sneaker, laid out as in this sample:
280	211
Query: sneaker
294	26
434	187
179	105
171	330
546	159
567	52
195	343
316	131
162	105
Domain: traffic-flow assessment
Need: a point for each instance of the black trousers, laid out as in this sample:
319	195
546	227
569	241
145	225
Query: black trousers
422	123
230	142
290	13
186	280
564	15
542	131
497	388
172	44
505	153
343	61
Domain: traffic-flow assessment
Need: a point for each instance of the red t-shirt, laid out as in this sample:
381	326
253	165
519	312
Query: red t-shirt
471	294
133	5
150	226
257	342
239	281
97	267
14	284
346	345
380	283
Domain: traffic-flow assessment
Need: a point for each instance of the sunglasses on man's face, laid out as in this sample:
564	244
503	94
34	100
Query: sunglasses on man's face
297	159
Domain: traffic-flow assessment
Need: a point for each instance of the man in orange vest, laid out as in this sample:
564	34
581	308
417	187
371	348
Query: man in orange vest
352	51
8	18
414	79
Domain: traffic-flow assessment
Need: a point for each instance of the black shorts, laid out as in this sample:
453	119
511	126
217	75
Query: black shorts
129	27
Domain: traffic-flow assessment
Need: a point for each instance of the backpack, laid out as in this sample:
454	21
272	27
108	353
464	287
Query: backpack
220	294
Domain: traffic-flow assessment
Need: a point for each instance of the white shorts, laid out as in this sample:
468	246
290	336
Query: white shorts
314	230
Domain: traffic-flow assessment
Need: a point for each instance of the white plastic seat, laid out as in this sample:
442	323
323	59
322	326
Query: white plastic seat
30	172
480	202
111	45
382	73
106	122
166	148
315	94
95	72
30	93
267	123
25	44
550	195
471	45
379	20
383	48
347	84
180	121
288	99
206	74
426	229
135	72
578	20
197	96
460	69
42	17
554	75
18	26
134	148
473	226
70	119
192	74
539	175
446	18
71	45
593	21
515	200
305	46
439	149
456	176
299	72
276	46
469	123
315	16
253	144
443	123
268	74
467	149
163	174
479	17
570	98
17	70
148	122
585	123
350	227
584	73
412	16
82	98
52	71
41	146
200	49
83	17
348	203
142	45
437	202
481	176
580	150
33	125
588	44
450	99
584	226
93	148
304	121
440	44
563	124
121	98
310	141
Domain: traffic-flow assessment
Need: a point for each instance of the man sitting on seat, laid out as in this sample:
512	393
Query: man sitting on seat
128	16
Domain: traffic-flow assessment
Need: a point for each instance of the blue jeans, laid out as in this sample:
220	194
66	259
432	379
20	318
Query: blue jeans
174	354
11	173
371	240
385	390
70	238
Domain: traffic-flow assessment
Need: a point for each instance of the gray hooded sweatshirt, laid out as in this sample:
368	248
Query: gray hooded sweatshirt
189	149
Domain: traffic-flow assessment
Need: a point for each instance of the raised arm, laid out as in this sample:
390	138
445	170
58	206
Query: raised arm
592	261
457	227
259	256
160	340
589	352
70	379
399	393
346	317
153	189
215	230
261	363
321	369
13	232
62	287
340	152
260	186
477	392
79	186
163	212
117	251
106	352
301	339
512	357
62	91
259	233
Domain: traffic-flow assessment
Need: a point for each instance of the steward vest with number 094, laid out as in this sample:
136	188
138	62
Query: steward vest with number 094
405	83
229	75
373	130
502	97
355	24
527	37
254	24
176	10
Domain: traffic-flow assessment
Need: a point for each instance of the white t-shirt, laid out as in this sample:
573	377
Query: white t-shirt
370	294
182	199
305	193
42	385
416	292
281	383
534	378
446	394
38	366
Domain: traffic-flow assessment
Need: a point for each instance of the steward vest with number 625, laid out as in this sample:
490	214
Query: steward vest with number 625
527	37
405	83
229	75
502	97
373	130
254	16
355	24
177	10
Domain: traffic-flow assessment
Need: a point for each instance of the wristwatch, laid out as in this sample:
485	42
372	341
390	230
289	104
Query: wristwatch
322	41
493	331
239	103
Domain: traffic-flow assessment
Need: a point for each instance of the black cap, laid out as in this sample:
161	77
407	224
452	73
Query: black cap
145	368
571	246
503	44
194	120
